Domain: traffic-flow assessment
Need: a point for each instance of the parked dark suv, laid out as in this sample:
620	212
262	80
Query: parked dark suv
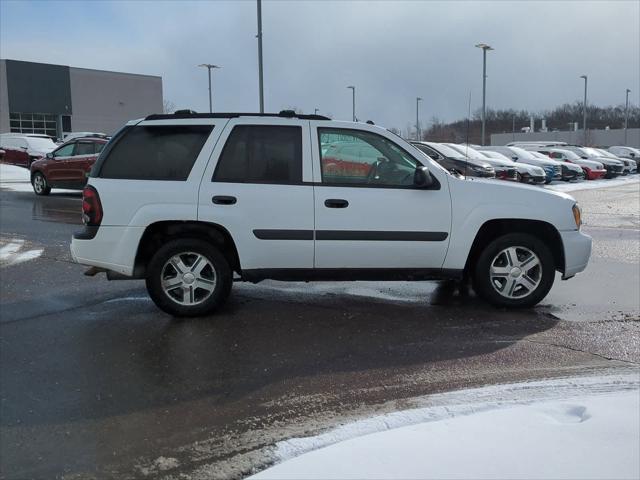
67	166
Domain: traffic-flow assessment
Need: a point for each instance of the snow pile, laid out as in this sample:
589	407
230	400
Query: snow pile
593	184
587	428
13	174
18	179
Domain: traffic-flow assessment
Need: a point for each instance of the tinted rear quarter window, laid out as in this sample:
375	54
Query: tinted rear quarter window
261	154
165	152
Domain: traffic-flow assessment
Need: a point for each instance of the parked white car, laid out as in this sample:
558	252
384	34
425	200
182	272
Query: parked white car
207	195
552	169
526	173
630	166
22	149
626	152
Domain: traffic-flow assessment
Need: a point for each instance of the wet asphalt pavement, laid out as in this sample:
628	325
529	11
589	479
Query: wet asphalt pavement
95	382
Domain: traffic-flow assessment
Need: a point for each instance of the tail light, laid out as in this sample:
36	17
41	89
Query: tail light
91	207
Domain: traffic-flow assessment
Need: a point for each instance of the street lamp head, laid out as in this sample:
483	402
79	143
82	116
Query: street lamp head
484	46
351	87
419	99
583	76
628	91
209	65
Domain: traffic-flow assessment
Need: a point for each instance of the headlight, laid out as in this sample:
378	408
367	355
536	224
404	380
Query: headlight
478	168
577	215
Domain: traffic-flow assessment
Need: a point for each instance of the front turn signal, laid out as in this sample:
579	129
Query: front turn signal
577	215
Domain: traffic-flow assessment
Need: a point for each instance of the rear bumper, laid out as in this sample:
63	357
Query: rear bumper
112	248
577	250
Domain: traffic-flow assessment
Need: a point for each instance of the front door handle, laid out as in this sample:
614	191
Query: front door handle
336	203
224	200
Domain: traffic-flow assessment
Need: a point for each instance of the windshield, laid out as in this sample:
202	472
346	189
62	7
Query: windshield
496	155
41	143
468	151
591	152
447	151
522	153
605	153
569	154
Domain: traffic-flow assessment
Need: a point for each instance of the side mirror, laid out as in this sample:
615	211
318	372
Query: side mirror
514	158
49	155
422	178
632	155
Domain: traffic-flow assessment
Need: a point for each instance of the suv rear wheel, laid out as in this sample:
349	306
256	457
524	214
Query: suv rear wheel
515	270
188	277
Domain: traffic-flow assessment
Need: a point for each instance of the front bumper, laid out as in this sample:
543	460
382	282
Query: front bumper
532	179
594	174
577	250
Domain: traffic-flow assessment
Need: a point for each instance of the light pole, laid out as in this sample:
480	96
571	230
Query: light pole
626	116
353	106
259	37
315	111
209	66
484	48
418	99
584	110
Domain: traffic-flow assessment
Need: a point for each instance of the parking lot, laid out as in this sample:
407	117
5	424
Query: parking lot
96	381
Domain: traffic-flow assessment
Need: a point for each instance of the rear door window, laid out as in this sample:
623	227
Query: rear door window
85	148
261	154
158	152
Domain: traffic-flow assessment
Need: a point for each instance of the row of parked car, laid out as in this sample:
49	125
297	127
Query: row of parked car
66	166
534	162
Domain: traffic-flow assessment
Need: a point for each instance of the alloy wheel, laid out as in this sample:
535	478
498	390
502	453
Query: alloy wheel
188	278
515	272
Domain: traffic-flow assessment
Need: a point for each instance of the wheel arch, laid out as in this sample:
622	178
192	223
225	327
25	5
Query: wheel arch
495	228
160	232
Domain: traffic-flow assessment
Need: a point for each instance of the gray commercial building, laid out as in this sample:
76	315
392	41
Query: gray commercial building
57	99
595	138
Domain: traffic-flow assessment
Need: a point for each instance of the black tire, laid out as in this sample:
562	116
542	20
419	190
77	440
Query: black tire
484	286
164	301
40	184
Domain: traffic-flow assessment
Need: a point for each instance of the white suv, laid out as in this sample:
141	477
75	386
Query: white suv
185	200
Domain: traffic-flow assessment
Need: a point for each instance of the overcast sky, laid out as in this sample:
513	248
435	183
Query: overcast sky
391	51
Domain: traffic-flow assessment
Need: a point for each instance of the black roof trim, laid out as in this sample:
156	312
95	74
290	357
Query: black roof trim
283	114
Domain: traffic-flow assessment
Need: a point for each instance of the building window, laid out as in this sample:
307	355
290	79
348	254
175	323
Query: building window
38	123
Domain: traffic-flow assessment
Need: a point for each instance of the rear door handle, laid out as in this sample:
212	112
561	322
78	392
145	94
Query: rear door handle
336	203
224	200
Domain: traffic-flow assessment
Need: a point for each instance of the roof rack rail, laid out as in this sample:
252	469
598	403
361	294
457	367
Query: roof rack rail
186	113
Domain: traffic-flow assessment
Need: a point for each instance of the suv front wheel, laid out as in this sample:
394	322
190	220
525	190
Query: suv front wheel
188	278
515	270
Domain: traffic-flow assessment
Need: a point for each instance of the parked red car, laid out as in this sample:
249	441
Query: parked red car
22	149
67	166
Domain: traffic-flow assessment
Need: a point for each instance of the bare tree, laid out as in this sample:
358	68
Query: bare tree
168	106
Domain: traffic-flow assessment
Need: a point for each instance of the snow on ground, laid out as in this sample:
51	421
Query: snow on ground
567	428
18	179
12	252
591	184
